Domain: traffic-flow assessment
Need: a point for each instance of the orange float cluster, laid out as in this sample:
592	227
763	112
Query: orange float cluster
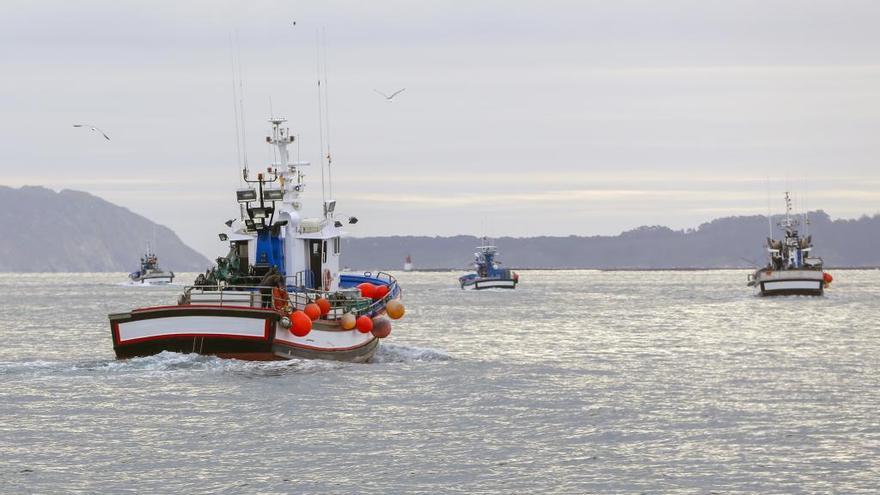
300	321
374	292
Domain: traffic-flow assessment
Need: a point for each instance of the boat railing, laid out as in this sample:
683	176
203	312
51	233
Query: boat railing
345	300
302	279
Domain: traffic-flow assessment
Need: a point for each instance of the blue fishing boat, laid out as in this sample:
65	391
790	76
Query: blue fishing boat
488	273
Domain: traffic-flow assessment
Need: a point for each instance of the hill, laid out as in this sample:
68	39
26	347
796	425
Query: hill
73	231
722	243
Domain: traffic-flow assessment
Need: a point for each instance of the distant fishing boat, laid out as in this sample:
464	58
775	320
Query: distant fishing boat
407	264
488	274
150	273
792	269
278	293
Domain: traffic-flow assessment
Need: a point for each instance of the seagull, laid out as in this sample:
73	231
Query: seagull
389	98
93	128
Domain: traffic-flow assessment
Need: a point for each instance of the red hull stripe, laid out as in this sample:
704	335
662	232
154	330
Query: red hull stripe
212	306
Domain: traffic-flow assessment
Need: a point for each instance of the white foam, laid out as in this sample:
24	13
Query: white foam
396	353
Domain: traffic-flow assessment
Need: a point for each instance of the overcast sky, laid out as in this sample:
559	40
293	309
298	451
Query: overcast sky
519	118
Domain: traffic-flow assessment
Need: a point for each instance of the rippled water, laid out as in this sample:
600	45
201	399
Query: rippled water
577	382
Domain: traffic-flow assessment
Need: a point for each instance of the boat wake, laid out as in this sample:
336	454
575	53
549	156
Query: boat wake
172	362
395	353
168	362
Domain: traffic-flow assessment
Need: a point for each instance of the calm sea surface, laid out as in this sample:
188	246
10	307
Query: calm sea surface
577	382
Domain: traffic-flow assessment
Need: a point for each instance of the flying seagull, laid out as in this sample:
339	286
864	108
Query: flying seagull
389	98
93	128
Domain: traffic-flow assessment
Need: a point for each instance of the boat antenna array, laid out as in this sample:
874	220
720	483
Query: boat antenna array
238	104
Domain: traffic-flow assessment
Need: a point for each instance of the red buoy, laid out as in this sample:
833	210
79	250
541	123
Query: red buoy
324	305
380	292
313	311
367	289
301	324
381	327
364	324
827	278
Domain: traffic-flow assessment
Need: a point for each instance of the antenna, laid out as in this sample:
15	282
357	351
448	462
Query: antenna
327	115
769	218
806	209
241	106
320	115
235	110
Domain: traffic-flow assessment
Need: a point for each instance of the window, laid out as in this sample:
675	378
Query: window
337	245
323	251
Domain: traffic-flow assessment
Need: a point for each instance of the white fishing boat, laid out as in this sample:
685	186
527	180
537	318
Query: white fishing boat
150	273
488	273
278	293
792	267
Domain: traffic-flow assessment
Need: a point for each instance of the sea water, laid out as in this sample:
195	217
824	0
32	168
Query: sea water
576	382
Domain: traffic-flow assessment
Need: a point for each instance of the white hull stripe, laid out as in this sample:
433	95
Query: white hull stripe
792	285
488	284
192	325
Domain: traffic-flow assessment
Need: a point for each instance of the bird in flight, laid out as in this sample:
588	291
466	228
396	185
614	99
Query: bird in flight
94	129
389	98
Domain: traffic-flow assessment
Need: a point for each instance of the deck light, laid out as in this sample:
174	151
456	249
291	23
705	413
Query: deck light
273	194
245	195
262	212
352	220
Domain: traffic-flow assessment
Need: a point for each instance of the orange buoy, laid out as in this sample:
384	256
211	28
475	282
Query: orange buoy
279	298
364	324
395	309
381	327
827	277
313	311
323	304
348	321
380	292
301	324
367	289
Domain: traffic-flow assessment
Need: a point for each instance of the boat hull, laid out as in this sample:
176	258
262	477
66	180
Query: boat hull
232	332
790	283
488	283
154	279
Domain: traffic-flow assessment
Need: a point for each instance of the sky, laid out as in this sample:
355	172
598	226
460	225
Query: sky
519	118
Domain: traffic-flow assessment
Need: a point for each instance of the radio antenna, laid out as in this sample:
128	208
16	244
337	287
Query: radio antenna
320	113
235	110
241	107
327	115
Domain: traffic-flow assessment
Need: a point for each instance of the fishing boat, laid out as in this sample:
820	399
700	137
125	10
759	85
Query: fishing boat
150	273
278	293
792	269
407	264
488	273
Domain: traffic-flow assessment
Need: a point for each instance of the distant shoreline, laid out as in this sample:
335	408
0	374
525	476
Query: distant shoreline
684	269
463	270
